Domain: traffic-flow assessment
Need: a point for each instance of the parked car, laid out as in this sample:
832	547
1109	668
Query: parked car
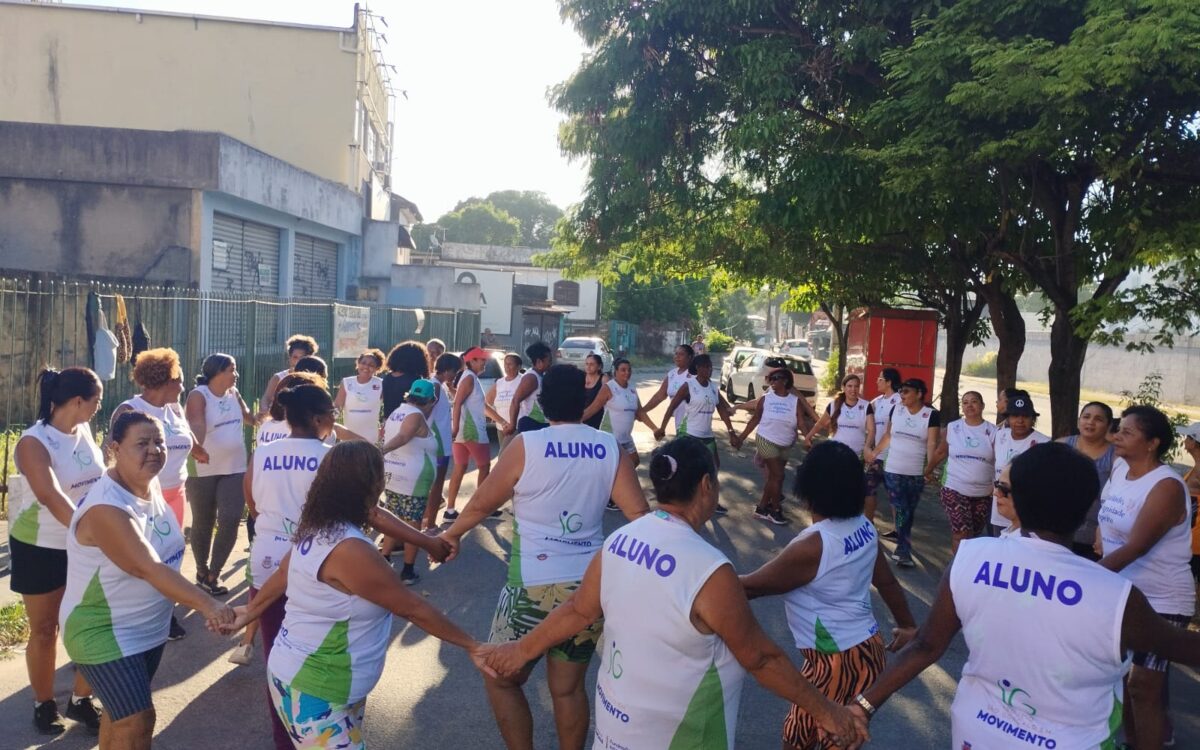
732	361
574	351
749	379
797	348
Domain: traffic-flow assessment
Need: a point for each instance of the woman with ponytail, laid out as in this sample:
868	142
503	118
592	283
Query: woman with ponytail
849	418
59	461
702	632
216	412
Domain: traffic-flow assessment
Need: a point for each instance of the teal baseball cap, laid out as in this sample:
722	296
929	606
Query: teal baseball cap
423	389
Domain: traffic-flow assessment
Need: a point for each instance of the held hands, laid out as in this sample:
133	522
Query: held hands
505	660
901	638
660	433
843	727
239	621
200	454
218	616
439	548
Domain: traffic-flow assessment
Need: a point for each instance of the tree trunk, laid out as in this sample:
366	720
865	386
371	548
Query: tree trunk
1009	327
836	313
1067	352
958	323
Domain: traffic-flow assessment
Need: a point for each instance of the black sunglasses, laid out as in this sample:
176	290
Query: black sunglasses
1004	489
777	376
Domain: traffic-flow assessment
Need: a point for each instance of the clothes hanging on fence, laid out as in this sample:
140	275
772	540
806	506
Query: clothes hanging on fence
104	353
121	330
91	313
141	337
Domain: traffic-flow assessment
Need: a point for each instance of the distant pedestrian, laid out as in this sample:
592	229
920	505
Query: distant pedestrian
698	345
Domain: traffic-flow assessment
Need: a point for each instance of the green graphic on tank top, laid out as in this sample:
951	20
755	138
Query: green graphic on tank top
514	557
438	434
88	631
325	672
1114	725
470	429
825	642
682	426
425	479
536	412
606	423
26	527
703	724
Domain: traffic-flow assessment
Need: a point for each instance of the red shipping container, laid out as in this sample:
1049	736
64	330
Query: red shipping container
882	337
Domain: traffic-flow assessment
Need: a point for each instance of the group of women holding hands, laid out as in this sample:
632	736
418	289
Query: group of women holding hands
1072	557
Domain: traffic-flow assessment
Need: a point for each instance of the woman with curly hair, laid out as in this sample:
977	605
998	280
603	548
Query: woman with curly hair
340	596
298	347
407	362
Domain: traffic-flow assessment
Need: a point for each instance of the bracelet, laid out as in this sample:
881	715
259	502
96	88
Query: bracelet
865	704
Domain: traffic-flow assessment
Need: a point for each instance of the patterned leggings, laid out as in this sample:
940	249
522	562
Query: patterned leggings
839	677
313	722
905	492
969	516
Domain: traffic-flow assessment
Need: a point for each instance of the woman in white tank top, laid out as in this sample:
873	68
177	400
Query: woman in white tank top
1046	630
1146	537
966	446
825	576
216	412
674	679
675	377
500	395
850	419
778	417
360	399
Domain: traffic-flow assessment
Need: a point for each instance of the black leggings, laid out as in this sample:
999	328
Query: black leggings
216	501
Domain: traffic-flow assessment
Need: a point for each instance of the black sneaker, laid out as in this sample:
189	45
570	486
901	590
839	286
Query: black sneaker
776	517
497	513
892	535
611	506
450	514
409	577
85	712
214	587
176	633
720	510
904	561
47	719
761	513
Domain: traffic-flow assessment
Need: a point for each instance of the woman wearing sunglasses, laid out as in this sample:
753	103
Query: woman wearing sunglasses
777	418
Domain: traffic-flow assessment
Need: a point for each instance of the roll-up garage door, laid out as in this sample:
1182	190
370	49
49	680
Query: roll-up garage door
316	267
245	256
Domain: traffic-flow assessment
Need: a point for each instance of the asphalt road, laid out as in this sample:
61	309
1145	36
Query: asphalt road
431	697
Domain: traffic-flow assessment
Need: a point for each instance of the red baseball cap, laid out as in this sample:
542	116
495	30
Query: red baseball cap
474	353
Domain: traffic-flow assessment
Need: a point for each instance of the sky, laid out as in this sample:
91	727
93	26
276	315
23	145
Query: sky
476	72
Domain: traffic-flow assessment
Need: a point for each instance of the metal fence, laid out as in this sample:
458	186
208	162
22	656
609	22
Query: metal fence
42	323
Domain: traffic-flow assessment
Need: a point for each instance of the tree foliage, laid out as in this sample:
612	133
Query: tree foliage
532	209
505	217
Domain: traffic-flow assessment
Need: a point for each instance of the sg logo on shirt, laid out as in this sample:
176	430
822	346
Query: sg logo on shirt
1008	693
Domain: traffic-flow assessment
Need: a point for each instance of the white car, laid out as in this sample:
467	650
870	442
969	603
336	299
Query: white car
574	351
733	360
796	348
748	380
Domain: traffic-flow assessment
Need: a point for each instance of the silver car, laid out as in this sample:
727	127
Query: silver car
574	351
749	378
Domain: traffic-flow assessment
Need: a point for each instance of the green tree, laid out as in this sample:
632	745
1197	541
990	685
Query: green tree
482	224
537	215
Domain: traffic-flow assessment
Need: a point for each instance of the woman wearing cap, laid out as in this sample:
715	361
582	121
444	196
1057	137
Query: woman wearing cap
910	444
673	679
1145	536
468	426
559	479
340	596
825	576
676	377
361	396
777	419
966	494
409	462
500	395
1092	441
124	549
1014	438
1046	630
60	462
216	413
160	376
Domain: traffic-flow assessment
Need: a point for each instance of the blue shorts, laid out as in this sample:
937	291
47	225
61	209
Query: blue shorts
123	685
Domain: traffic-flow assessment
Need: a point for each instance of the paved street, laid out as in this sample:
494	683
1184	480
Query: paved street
431	697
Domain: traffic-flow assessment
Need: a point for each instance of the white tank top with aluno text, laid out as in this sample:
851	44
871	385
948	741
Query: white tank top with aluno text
662	683
283	472
1043	633
558	503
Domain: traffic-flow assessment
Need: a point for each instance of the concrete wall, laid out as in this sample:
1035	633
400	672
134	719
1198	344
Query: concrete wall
287	90
99	229
380	250
1110	368
430	286
495	298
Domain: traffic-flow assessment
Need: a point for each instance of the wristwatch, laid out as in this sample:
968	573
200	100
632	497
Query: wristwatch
865	704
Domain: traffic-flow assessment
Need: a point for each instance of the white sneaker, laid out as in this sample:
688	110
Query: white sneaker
241	654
